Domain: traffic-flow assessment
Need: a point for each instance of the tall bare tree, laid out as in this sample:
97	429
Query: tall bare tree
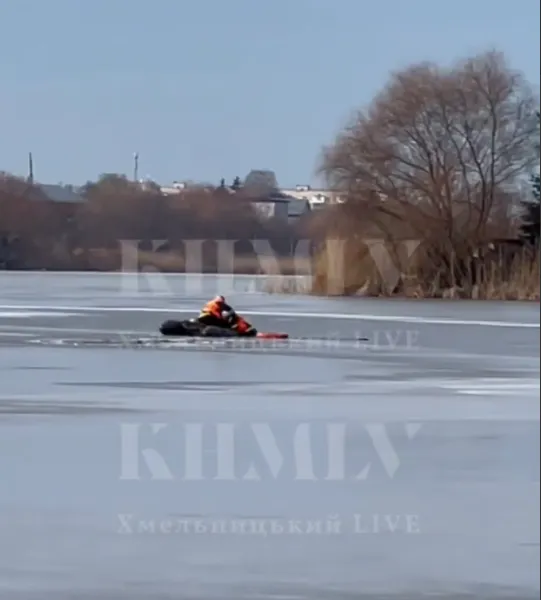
440	148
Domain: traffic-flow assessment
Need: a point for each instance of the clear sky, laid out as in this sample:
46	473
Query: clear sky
205	89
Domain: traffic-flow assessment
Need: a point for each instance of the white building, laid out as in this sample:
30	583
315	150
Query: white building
175	188
285	205
317	198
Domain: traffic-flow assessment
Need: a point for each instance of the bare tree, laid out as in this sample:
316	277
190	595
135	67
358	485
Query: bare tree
28	220
117	209
439	148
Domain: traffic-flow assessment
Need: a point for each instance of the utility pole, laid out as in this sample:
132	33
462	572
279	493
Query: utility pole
136	167
30	169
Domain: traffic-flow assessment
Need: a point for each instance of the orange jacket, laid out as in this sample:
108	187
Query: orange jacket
213	308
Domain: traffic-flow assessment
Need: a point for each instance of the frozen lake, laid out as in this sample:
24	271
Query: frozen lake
323	468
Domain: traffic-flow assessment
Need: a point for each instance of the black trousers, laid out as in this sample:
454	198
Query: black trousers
213	321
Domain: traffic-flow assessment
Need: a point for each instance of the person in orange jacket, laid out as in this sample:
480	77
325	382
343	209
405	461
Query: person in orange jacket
218	313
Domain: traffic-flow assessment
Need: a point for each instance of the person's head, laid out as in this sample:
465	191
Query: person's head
219	299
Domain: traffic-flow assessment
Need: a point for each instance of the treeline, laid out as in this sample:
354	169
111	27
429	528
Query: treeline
442	158
90	228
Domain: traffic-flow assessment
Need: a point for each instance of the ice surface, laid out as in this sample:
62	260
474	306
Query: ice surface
421	446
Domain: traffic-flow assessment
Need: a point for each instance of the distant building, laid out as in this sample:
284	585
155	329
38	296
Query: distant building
277	204
179	187
269	208
297	208
63	194
175	188
280	206
317	198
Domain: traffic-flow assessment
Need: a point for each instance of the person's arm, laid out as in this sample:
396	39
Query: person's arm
229	315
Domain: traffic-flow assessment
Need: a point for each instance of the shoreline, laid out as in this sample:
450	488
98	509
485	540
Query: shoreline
270	290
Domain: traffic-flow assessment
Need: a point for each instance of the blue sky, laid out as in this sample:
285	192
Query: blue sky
211	88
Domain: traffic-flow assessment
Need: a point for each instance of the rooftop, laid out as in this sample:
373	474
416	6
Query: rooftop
61	193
